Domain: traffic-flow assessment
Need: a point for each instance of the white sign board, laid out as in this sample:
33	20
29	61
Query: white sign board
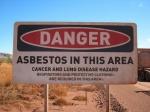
59	52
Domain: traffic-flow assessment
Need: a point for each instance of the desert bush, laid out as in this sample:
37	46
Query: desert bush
5	108
30	89
8	59
61	102
58	89
5	74
52	97
79	98
19	106
5	80
7	94
89	88
19	92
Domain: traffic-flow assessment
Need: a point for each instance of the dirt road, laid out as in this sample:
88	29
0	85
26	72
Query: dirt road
135	97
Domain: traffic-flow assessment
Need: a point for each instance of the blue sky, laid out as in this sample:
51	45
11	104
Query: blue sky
137	11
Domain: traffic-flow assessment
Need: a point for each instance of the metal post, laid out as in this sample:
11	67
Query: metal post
46	87
107	97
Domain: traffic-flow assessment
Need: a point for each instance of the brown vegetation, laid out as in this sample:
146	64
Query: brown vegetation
28	97
5	74
88	88
61	102
79	98
58	90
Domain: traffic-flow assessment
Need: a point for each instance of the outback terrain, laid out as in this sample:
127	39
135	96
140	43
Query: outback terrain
69	97
62	97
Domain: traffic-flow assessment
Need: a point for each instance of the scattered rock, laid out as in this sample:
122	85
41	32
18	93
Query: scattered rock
116	106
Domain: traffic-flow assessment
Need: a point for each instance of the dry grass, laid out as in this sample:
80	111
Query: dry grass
6	108
58	90
52	97
26	93
88	88
7	94
5	74
61	102
79	98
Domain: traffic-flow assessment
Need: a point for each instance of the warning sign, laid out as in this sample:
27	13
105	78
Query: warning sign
75	53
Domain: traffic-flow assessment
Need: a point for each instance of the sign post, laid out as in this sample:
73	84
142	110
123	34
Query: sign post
107	97
46	99
75	52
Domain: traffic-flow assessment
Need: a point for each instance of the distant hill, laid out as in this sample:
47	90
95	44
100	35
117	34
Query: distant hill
5	55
